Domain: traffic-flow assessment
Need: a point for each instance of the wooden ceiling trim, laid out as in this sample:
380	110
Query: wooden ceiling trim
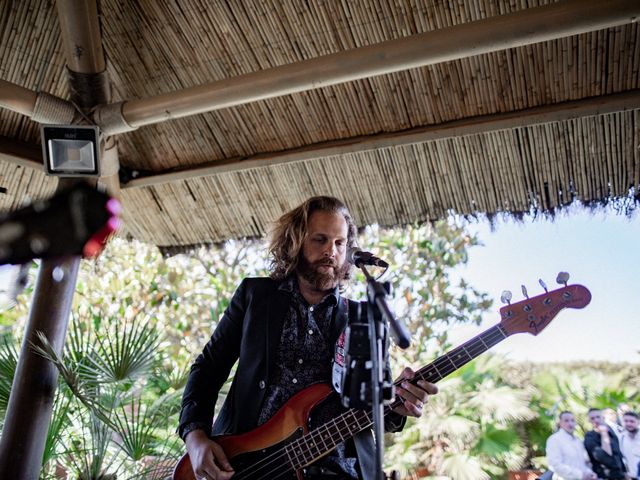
505	170
16	98
552	113
433	100
570	17
81	36
21	153
21	186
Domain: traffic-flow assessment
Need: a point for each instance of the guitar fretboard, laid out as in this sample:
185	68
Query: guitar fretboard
325	438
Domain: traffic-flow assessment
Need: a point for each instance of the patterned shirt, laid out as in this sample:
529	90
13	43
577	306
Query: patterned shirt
303	358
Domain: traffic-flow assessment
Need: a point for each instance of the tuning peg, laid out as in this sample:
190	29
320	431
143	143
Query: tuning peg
506	297
524	291
562	278
543	285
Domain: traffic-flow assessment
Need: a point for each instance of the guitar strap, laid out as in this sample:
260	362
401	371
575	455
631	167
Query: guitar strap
350	309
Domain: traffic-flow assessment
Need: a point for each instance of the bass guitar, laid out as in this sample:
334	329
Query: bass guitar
283	446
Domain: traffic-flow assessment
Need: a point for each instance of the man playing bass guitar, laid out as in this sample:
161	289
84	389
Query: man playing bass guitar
282	331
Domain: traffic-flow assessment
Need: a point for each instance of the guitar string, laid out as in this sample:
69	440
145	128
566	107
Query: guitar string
358	415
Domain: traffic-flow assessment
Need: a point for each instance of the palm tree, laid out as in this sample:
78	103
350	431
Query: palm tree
467	430
113	413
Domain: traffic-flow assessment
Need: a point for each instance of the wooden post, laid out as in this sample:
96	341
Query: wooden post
31	401
34	385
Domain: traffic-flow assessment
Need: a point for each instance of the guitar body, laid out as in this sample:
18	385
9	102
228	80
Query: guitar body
249	452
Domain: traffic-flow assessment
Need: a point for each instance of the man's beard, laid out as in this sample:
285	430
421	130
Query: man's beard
322	281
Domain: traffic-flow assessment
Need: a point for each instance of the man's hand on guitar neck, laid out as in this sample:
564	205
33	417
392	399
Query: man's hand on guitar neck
207	457
414	396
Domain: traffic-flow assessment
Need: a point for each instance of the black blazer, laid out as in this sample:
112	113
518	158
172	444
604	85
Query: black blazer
249	332
605	465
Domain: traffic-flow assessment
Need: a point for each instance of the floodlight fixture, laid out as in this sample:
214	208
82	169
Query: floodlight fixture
71	150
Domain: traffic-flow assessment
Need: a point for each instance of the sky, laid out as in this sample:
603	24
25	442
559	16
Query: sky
600	250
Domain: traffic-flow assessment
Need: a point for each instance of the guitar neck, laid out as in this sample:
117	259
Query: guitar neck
325	438
459	356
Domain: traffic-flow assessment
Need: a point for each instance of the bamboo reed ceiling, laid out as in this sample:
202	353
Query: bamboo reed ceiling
155	47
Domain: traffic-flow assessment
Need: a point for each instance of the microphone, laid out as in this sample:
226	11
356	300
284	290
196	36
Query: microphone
359	257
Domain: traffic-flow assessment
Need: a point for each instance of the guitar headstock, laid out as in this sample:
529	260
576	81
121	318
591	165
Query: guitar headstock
533	314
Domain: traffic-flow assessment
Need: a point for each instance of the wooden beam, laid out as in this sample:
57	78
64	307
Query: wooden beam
21	153
16	98
35	381
468	126
533	25
81	36
39	106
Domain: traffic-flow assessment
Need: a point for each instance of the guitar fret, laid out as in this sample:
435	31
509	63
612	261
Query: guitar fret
293	457
478	347
327	436
434	378
358	420
449	366
308	449
354	419
300	452
338	430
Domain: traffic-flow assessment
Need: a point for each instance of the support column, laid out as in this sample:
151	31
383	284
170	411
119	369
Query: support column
31	402
34	385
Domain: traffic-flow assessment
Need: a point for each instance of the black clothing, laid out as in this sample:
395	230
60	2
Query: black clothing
304	358
604	465
250	332
304	353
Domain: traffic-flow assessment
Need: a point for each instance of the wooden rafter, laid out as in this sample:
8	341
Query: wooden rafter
469	126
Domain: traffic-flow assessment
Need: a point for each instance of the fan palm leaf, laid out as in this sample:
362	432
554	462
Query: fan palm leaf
462	466
60	421
8	365
124	353
501	403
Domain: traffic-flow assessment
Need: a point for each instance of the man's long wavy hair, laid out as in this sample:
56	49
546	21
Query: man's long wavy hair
290	230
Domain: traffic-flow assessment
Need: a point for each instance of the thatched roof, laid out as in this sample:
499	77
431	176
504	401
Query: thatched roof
537	125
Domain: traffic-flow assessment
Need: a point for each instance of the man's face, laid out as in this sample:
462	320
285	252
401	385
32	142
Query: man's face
630	423
568	422
595	418
322	261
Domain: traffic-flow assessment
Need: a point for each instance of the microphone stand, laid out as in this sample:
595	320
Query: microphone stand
376	300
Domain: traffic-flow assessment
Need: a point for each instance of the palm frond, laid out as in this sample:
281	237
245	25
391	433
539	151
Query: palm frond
135	430
124	353
461	466
502	403
71	378
8	365
59	423
495	442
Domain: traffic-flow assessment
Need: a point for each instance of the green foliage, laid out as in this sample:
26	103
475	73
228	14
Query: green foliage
468	429
139	319
425	297
8	364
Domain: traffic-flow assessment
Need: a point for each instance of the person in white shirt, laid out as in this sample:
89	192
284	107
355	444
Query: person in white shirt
612	419
630	443
566	455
